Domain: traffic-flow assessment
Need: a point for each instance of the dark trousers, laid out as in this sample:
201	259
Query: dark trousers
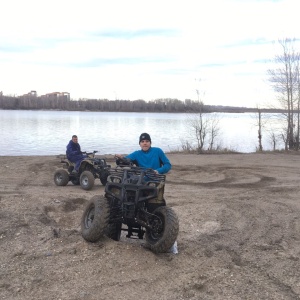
77	160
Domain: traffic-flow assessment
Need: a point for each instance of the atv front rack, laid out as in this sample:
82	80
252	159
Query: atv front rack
135	175
133	184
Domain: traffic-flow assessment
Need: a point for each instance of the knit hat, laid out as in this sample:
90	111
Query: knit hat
145	136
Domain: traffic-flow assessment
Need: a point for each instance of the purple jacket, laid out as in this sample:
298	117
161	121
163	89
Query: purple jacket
73	151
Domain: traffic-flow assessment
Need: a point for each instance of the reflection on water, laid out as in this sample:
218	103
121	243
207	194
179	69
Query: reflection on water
48	132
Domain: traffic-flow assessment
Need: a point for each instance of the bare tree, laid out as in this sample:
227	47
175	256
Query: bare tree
298	104
260	124
199	126
214	130
273	139
186	146
205	126
285	82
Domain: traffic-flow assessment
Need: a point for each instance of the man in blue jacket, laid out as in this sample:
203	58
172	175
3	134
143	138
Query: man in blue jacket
74	153
154	158
149	157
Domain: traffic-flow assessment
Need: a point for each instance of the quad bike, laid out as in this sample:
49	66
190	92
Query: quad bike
133	202
90	169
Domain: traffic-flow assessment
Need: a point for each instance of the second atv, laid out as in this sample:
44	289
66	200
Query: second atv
90	169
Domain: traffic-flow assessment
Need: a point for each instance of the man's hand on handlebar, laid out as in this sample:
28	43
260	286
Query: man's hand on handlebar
120	160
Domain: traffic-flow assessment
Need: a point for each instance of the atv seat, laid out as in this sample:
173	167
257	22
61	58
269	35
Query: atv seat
68	164
66	161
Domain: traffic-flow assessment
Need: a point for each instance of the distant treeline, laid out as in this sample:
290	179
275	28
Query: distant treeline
168	105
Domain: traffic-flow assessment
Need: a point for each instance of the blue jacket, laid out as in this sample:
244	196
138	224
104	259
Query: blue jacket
73	151
154	158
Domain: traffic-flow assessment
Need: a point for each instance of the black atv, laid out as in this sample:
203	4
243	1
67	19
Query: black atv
134	203
90	169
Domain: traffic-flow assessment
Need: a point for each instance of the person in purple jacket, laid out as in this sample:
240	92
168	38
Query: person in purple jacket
149	157
74	153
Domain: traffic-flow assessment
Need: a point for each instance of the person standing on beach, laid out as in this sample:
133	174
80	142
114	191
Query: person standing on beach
74	153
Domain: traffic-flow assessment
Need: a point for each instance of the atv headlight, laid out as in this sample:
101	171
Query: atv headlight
115	179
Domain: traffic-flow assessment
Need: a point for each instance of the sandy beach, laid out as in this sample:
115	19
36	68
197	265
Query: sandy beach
239	235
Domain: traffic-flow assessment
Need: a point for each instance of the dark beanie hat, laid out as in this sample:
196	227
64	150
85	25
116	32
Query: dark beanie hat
145	136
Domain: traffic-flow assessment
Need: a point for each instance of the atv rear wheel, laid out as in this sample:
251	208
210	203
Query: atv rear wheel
113	231
87	180
164	230
95	219
61	177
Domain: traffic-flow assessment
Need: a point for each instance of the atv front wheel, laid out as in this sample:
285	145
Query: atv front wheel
103	179
165	227
61	177
95	219
87	180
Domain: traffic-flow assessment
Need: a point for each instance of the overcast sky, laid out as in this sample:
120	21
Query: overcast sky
135	49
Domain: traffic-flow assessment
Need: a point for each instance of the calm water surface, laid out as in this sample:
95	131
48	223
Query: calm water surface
48	132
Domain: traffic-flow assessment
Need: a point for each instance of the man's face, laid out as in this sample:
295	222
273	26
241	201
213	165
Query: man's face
145	145
75	139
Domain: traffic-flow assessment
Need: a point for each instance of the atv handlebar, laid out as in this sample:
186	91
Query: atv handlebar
122	161
89	153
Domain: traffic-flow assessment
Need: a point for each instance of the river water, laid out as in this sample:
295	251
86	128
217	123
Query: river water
48	132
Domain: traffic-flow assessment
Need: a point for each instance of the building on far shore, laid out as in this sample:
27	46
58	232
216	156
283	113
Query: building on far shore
57	96
30	94
51	96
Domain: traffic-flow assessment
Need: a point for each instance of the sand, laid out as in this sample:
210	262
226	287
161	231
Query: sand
239	235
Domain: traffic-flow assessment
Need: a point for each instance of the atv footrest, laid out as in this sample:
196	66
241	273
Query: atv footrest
129	209
134	233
